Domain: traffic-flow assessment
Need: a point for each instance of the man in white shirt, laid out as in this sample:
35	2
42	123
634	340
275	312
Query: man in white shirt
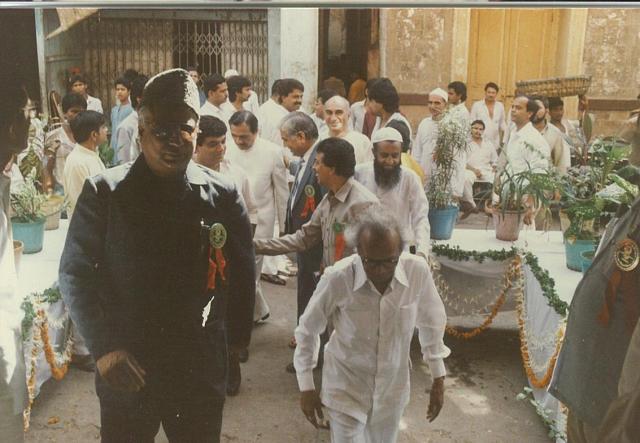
398	188
560	150
526	147
427	135
90	131
317	115
481	162
289	98
78	84
264	164
239	93
359	109
492	113
384	101
252	104
216	89
457	92
127	139
374	300
337	116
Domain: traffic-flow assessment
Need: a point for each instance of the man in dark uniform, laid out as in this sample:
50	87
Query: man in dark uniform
300	134
151	243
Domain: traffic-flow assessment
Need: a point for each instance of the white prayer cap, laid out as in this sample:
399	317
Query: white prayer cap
440	93
171	88
230	73
386	135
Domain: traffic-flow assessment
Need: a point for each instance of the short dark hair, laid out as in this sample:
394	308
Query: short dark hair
246	117
288	85
555	102
459	88
385	93
124	81
275	87
543	99
211	83
210	126
76	78
299	121
338	153
235	84
479	122
326	94
193	68
491	85
403	129
72	100
85	123
532	106
130	74
137	87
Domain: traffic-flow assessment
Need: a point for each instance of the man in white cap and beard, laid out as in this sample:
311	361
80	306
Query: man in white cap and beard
427	134
150	245
398	188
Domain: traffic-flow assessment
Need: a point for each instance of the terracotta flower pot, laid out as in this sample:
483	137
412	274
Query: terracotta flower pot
507	224
18	248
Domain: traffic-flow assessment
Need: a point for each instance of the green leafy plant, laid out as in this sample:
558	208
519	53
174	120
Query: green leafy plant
27	201
555	430
450	144
106	154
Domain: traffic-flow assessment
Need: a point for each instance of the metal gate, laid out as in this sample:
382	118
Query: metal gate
149	43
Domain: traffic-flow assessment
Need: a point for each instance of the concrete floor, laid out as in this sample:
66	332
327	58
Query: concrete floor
484	376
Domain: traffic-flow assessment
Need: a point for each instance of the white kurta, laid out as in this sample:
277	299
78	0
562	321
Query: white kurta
242	182
264	165
493	124
362	146
81	164
366	361
210	109
94	104
357	116
407	201
560	149
252	105
228	109
270	116
125	136
425	144
527	148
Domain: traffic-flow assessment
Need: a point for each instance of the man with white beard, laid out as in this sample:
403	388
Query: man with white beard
264	164
398	188
337	113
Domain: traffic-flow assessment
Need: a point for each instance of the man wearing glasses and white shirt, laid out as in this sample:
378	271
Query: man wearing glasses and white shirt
374	300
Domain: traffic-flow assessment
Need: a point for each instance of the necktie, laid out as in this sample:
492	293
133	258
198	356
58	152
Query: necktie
296	184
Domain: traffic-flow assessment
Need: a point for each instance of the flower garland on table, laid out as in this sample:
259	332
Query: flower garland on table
31	381
540	383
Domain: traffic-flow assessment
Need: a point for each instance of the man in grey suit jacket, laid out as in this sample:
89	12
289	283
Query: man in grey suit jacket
300	134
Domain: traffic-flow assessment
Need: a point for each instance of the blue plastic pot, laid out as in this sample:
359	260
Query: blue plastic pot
586	258
30	233
442	222
573	251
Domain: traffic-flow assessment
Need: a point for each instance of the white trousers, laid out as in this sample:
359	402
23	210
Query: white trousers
467	190
261	307
346	429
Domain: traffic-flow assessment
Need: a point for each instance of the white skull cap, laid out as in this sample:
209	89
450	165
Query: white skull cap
386	135
170	88
230	73
440	93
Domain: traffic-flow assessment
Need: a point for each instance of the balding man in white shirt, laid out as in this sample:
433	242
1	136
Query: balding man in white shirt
374	300
337	114
398	188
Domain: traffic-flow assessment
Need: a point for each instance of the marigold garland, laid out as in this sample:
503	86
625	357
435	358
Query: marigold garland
524	348
515	264
58	372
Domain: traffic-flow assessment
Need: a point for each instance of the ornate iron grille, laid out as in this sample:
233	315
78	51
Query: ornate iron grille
150	45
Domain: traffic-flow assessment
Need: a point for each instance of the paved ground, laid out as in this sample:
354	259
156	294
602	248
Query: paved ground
484	376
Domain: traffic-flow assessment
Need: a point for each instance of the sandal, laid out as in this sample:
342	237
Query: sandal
274	279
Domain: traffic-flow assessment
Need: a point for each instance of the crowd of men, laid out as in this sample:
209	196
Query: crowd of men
166	251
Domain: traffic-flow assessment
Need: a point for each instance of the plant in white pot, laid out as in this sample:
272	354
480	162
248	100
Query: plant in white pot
28	218
449	158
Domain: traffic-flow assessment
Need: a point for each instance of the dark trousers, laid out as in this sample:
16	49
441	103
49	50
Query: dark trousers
136	418
308	265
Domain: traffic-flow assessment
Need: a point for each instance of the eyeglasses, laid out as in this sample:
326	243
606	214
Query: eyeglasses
386	262
166	132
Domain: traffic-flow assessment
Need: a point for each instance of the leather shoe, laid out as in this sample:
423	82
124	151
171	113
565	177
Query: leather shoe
83	362
243	355
234	379
274	279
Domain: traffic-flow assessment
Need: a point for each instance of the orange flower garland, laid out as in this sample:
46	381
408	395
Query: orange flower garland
57	372
31	389
524	348
513	268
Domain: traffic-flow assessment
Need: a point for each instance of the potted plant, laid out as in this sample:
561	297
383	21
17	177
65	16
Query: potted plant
513	190
28	220
591	195
450	145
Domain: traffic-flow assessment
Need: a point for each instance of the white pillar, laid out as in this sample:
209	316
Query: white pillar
299	50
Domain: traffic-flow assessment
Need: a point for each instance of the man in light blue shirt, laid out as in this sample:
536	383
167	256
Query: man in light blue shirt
121	110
